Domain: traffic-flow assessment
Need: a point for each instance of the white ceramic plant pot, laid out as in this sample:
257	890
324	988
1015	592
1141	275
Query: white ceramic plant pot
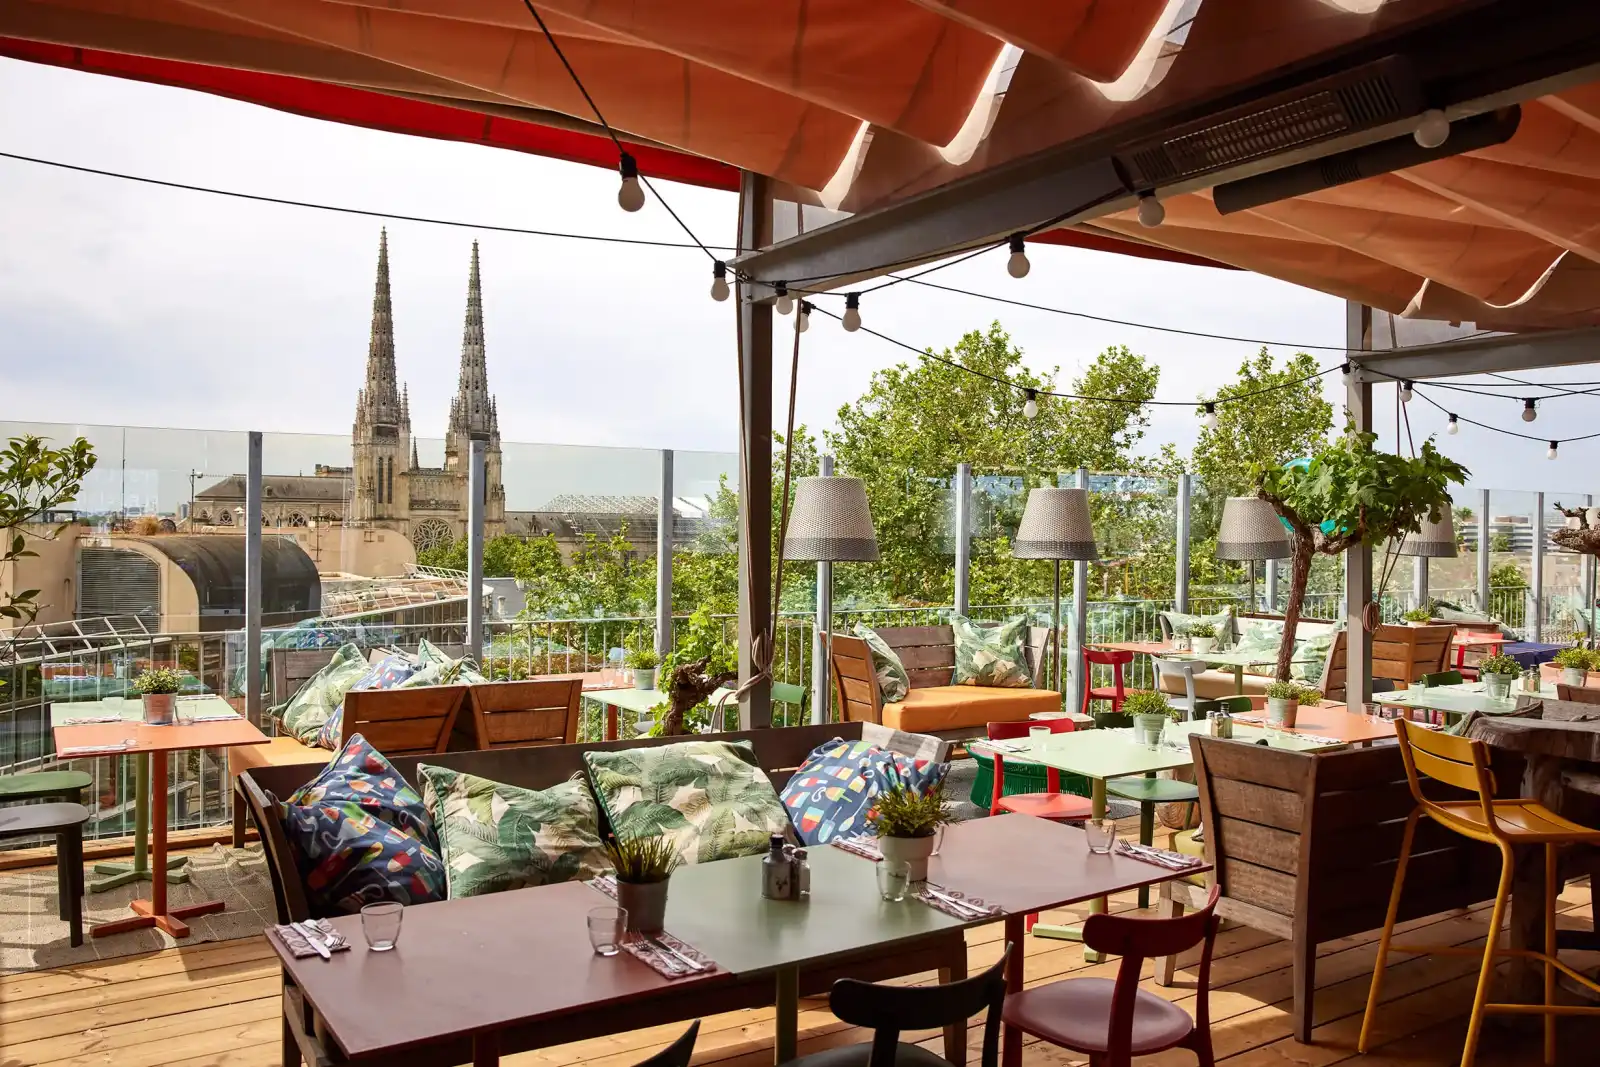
644	678
1498	686
914	852
1200	646
1413	622
1574	675
159	708
645	902
1147	730
1281	711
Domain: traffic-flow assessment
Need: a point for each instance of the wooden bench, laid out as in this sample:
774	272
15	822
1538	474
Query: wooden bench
1305	847
934	706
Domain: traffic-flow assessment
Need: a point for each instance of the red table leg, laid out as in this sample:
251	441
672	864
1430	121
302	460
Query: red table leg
611	722
1011	1040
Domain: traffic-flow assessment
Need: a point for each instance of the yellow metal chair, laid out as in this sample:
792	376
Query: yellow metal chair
1464	763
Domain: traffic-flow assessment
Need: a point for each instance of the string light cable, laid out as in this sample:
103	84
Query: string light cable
1420	391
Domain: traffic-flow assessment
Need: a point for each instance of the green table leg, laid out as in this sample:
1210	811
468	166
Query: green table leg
786	1025
121	874
1097	810
1238	680
1147	833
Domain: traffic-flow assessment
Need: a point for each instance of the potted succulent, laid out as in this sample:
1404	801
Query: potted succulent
1417	617
644	662
1498	672
159	688
907	820
1574	664
1202	637
1284	700
1150	713
643	867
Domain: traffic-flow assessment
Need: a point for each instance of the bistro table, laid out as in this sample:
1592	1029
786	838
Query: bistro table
1333	721
639	701
149	746
1238	661
1455	701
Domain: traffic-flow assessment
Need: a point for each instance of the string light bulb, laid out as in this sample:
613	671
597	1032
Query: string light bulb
852	312
1017	266
1344	372
1454	427
1552	453
802	321
1530	410
1210	419
1030	407
1406	391
1151	211
719	281
785	301
1433	129
631	196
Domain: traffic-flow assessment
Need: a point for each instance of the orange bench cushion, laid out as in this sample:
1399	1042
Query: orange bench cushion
959	707
277	752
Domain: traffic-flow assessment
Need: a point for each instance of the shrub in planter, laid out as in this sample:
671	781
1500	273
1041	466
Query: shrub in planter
1574	664
1498	672
1150	712
643	867
906	820
1284	700
644	663
1417	617
158	688
1202	637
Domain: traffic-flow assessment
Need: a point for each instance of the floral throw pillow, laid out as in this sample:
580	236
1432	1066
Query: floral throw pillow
830	795
361	834
893	681
495	836
388	673
991	655
710	797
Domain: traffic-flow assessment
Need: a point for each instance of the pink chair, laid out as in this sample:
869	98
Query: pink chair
1113	1021
1116	660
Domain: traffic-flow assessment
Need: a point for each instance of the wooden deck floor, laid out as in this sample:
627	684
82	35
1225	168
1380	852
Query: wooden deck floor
218	1004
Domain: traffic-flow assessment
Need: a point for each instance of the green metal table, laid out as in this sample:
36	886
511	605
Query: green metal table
1236	660
1458	701
639	701
132	710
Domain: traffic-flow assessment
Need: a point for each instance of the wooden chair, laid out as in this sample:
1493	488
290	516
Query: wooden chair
1578	694
403	722
525	714
1111	1021
677	1054
1405	654
64	822
1115	659
892	1009
1464	764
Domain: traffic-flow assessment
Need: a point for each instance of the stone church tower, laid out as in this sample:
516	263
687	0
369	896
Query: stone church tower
381	436
474	415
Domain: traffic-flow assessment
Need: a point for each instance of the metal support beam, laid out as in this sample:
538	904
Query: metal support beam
1358	560
252	579
1587	576
755	456
1269	587
963	537
1501	354
822	643
1536	609
1483	550
1185	518
664	557
1419	582
477	490
1080	622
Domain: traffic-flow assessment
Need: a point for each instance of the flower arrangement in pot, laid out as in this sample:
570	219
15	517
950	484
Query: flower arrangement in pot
1498	672
1417	617
907	821
1284	700
643	867
158	687
1574	664
1202	637
1150	712
644	662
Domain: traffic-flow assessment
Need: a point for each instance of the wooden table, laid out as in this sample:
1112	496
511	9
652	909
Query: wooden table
1331	721
149	745
1216	658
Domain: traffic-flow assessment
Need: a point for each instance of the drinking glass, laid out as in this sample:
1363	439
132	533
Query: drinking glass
894	878
606	926
1038	737
1374	710
1101	833
380	924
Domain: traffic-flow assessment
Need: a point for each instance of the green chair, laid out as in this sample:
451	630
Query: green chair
1232	705
62	816
1148	791
44	785
1442	678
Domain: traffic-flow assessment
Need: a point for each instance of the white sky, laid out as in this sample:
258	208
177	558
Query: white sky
123	303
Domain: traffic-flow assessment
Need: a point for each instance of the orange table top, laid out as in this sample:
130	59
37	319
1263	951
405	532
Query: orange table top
1476	639
1333	721
221	733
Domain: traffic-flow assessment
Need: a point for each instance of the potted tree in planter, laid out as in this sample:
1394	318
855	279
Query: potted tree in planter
644	662
1284	700
1574	664
907	820
1202	637
1347	494
1417	617
158	688
1150	712
643	865
1498	672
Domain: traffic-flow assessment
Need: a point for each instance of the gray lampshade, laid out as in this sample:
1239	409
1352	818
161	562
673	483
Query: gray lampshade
1055	525
1436	540
1251	529
830	522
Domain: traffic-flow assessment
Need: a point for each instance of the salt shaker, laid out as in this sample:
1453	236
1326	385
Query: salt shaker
777	871
802	880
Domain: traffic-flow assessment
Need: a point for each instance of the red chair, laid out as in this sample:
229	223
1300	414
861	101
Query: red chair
1113	1021
1116	661
1051	804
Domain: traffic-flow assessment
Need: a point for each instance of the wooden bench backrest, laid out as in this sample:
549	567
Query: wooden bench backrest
855	683
929	652
401	722
525	713
290	668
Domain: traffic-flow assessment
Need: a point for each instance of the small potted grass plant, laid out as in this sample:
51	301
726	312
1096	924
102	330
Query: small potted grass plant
1202	637
643	867
644	663
158	688
907	820
1150	712
1574	664
1498	672
1284	700
1417	617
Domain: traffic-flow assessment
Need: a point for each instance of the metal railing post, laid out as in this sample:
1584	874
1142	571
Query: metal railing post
252	581
1181	580
1586	575
1483	550
1536	617
664	515
1080	621
963	538
475	500
822	630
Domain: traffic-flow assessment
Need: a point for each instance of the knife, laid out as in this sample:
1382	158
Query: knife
313	939
970	909
693	965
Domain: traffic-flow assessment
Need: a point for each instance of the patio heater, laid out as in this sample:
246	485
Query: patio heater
1436	540
1055	526
829	522
1251	530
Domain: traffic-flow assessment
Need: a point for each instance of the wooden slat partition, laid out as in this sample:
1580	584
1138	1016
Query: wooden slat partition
401	722
928	652
505	714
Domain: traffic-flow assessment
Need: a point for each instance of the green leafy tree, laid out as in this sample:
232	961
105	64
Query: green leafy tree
1285	417
34	479
1348	494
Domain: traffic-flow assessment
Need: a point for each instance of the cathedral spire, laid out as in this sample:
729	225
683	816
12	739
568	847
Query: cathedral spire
379	403
472	413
